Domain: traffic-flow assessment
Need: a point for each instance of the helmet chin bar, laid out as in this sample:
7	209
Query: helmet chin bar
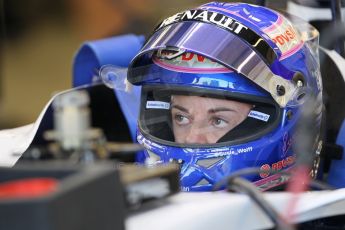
242	58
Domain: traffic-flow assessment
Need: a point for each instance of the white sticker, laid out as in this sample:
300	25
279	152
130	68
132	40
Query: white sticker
259	115
157	105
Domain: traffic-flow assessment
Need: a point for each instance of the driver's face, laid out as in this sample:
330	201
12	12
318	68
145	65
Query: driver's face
200	120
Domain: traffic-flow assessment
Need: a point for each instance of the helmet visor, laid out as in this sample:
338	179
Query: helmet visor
220	46
184	116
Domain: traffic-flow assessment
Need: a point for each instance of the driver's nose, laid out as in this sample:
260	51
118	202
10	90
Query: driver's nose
196	136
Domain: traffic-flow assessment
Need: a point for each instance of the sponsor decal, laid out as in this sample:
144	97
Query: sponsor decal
224	152
285	37
219	152
277	166
149	145
288	161
208	17
266	170
157	105
185	189
259	115
188	62
189	56
245	150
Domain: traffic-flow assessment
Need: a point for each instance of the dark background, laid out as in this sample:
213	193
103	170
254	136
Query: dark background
38	40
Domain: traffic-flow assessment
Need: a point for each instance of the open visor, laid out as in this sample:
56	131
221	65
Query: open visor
181	116
249	56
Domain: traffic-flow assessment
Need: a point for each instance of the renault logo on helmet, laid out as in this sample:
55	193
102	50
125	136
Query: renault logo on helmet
205	16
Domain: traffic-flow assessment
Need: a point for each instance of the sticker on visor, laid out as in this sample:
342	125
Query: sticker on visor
259	115
188	63
157	105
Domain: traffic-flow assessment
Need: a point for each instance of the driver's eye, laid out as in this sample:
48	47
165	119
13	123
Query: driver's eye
180	119
220	123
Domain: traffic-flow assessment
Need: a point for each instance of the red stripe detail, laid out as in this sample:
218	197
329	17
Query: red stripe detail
190	70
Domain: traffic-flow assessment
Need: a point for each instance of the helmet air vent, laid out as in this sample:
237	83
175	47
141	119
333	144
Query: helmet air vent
209	162
203	182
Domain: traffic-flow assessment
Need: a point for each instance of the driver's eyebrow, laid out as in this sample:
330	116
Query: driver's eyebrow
220	109
214	110
183	109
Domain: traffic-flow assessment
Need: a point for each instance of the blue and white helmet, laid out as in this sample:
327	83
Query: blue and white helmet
226	51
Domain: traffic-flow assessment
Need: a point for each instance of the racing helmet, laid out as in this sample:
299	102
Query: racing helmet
239	73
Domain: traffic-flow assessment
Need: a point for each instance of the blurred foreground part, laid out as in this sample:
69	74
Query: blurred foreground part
74	204
224	211
84	197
